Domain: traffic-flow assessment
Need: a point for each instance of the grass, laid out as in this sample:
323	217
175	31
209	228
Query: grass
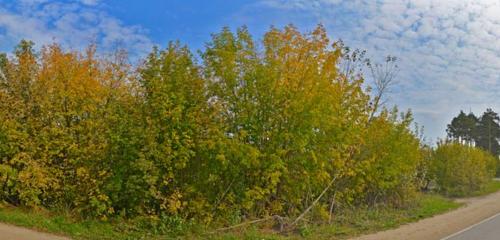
488	188
358	221
349	223
62	225
370	220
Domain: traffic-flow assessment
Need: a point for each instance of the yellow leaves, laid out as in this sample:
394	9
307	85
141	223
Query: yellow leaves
82	173
276	207
460	169
252	196
321	212
174	203
32	181
74	83
8	177
221	158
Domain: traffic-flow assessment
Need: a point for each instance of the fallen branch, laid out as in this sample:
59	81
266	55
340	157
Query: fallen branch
313	203
279	218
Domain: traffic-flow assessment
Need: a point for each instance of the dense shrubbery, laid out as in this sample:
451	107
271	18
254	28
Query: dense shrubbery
247	132
393	156
460	169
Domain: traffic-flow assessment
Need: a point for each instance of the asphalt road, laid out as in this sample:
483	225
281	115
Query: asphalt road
488	229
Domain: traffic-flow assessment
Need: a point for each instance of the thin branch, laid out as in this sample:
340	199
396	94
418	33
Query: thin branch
383	78
314	203
223	195
332	205
247	223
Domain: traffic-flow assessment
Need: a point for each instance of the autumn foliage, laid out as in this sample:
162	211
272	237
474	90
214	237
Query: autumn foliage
248	129
461	169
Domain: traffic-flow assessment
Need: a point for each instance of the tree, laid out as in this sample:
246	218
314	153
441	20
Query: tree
488	132
463	127
3	65
383	75
383	78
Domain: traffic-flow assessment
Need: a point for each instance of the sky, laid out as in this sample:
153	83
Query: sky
448	50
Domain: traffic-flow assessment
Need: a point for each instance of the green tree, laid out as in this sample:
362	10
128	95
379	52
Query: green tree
179	158
463	126
488	132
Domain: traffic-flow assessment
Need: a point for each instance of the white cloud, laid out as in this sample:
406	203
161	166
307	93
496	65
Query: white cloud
449	49
73	24
90	2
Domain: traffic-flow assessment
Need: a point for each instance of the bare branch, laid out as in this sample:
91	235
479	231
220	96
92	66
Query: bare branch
384	76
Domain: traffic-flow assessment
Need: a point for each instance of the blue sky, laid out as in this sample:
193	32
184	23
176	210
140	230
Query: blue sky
449	50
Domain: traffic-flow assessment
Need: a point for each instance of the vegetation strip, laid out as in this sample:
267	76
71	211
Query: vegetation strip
344	226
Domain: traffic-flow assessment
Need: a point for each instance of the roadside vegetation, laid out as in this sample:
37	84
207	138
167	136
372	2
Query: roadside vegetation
462	170
351	222
279	137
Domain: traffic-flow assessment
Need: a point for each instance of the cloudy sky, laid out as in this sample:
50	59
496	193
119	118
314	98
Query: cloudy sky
448	50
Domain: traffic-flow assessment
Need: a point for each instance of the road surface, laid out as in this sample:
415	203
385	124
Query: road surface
9	232
488	229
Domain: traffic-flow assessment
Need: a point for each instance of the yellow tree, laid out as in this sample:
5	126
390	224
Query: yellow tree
291	105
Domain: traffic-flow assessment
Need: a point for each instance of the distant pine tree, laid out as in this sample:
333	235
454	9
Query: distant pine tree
488	132
483	131
463	126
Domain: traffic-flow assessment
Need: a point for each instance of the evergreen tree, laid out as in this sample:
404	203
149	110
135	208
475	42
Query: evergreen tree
463	126
488	132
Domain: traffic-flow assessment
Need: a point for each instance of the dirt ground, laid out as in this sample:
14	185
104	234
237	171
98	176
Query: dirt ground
9	232
440	226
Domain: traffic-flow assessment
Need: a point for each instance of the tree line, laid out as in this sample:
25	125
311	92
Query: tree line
280	127
483	131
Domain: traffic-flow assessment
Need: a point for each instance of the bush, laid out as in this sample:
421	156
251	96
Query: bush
460	170
391	154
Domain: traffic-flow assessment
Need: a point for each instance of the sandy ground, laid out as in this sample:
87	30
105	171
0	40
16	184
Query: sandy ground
9	232
440	226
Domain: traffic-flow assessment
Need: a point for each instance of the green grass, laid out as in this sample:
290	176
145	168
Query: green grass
351	222
61	225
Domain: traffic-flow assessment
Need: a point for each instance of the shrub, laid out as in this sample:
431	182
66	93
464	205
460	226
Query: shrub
460	170
391	154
